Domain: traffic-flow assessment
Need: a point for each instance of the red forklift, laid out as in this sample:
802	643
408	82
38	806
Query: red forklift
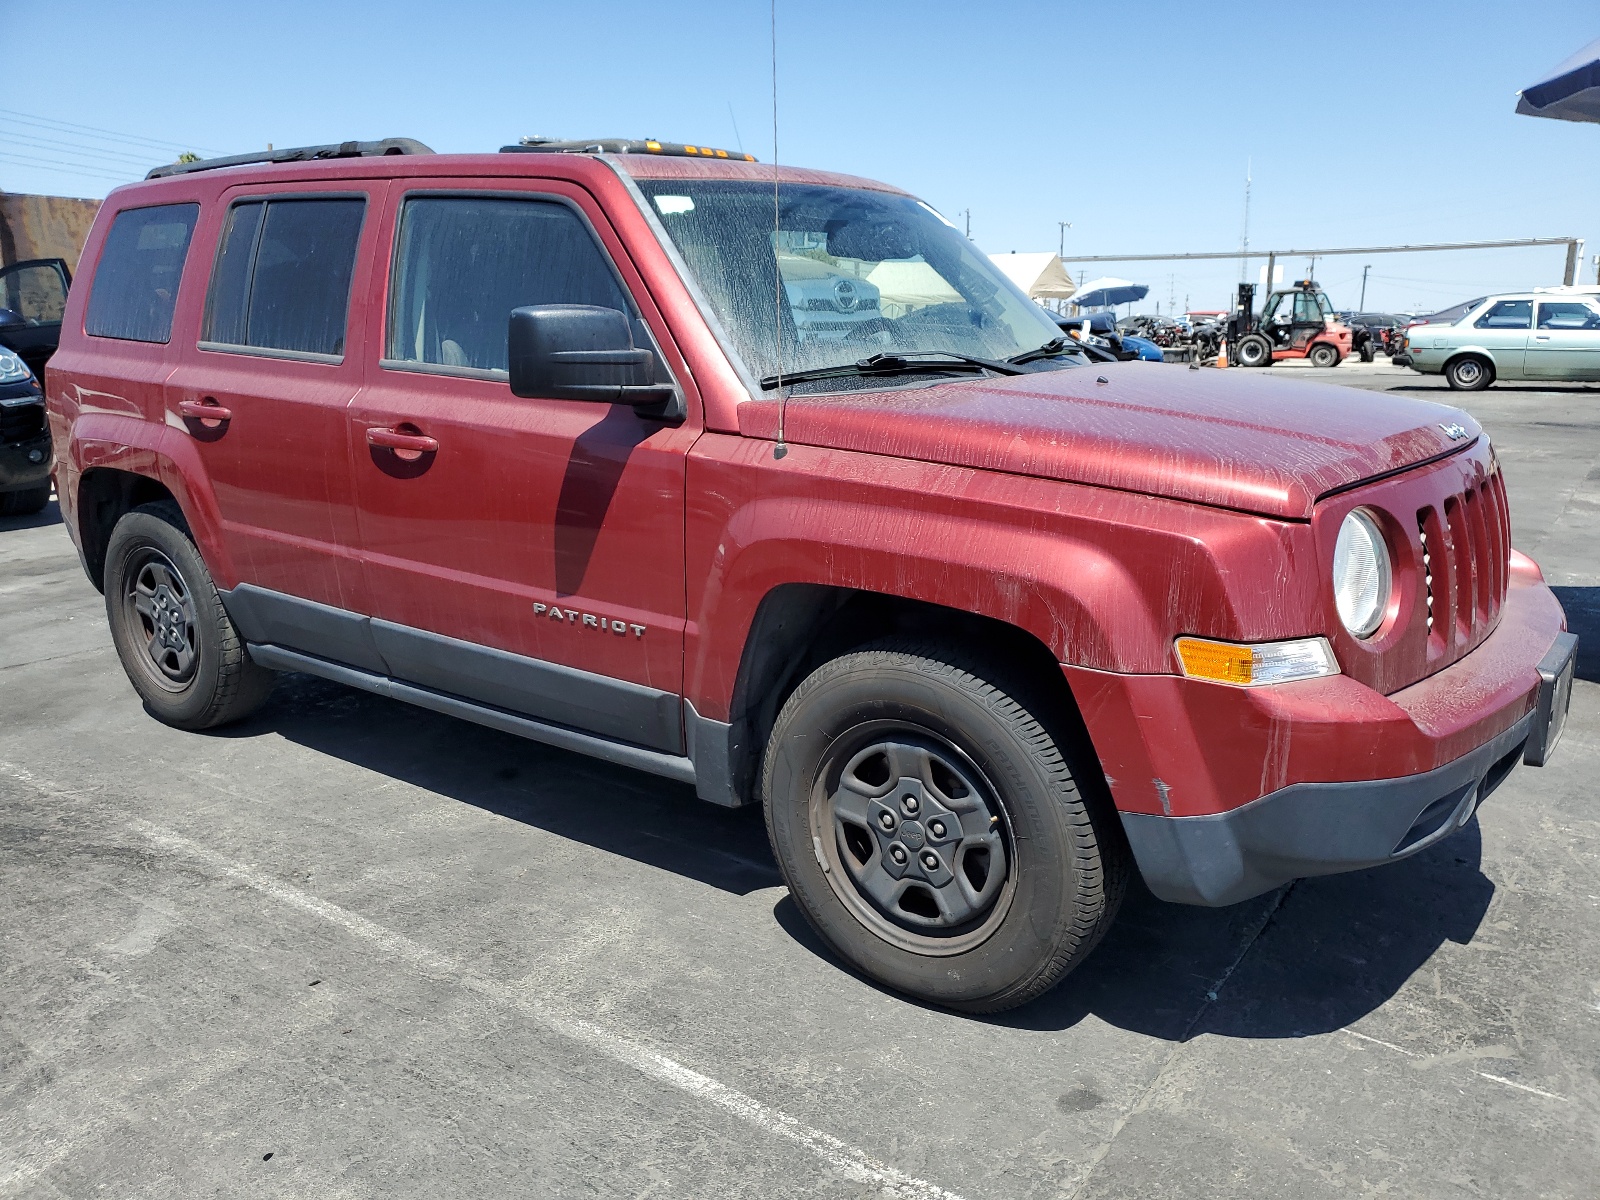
1298	322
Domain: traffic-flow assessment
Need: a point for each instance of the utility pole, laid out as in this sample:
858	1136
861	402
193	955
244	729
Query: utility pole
1244	237
1363	305
1065	225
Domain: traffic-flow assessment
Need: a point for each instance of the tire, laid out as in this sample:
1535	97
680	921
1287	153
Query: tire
1324	354
181	652
24	503
1368	354
1468	374
1254	351
1027	874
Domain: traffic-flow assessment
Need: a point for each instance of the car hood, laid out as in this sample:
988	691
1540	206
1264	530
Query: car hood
1232	439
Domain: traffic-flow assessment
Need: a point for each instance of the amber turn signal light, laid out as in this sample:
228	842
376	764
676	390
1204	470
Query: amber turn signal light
1253	666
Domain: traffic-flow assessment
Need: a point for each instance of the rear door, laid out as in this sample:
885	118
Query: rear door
265	394
1566	341
534	559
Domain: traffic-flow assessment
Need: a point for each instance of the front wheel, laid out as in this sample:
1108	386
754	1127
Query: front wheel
176	641
1254	350
1468	375
1324	354
932	831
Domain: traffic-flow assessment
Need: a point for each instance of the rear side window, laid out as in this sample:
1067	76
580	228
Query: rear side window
464	263
282	275
136	280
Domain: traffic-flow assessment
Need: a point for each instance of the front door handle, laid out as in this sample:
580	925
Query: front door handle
407	446
208	412
1541	337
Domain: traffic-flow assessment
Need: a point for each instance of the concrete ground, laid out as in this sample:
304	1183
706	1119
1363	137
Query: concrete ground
354	949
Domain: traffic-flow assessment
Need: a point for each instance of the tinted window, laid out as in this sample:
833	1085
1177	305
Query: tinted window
1567	315
464	263
1507	314
135	282
282	276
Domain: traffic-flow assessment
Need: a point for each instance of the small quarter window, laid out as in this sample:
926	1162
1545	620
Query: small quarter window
1507	314
282	275
464	263
135	283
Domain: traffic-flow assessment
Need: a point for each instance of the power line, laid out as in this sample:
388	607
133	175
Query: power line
71	160
61	168
77	148
59	126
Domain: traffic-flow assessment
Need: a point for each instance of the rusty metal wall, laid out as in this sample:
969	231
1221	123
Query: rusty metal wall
44	227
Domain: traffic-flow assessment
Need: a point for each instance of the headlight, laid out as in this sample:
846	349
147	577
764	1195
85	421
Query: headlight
1362	578
12	368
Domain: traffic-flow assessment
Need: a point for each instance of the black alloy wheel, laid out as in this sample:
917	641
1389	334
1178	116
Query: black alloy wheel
177	644
1254	351
926	814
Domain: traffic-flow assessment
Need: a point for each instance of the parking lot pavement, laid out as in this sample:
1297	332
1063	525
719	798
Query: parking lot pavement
354	949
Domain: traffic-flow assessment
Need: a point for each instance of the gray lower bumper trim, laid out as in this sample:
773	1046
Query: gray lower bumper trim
1315	828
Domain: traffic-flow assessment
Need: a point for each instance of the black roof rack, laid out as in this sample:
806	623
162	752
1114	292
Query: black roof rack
543	145
298	154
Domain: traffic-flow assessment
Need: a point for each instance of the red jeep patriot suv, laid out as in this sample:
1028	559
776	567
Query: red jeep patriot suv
765	480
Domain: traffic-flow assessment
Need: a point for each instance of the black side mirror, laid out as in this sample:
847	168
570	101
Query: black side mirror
580	352
10	318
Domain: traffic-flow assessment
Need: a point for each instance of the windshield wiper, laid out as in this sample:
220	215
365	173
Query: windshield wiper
1052	348
909	362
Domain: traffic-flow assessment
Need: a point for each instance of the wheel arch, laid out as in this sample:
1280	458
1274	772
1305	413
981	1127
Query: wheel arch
1476	352
118	463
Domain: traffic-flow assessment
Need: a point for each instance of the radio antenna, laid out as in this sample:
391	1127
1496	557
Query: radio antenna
782	448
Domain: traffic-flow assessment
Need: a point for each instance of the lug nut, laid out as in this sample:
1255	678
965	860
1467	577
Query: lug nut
930	860
937	828
886	820
910	803
898	853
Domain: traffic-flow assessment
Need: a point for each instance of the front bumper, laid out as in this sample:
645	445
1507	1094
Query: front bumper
1226	793
25	464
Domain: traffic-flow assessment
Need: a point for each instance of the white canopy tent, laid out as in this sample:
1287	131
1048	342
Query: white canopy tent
1041	276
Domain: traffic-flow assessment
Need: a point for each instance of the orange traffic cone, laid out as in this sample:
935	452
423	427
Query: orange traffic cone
1222	354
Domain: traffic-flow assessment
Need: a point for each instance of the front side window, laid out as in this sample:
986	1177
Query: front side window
1507	314
464	262
282	275
135	284
826	276
37	293
1567	314
1306	311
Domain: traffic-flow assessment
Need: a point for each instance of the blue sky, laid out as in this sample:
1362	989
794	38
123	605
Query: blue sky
1362	124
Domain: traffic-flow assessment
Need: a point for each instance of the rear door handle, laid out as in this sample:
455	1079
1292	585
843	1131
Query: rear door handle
208	412
406	446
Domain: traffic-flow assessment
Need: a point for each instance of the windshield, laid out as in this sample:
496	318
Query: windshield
862	273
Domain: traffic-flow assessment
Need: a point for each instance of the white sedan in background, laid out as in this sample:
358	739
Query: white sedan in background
1548	334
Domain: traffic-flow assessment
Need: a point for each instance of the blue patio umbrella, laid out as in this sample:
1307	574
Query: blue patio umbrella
1108	293
1571	93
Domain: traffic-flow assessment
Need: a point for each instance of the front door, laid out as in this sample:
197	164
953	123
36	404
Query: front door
265	395
1566	341
526	553
33	295
1503	331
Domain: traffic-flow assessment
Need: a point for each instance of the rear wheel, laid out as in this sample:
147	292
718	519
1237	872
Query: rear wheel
1368	353
176	642
1468	374
1324	354
1254	350
931	829
24	503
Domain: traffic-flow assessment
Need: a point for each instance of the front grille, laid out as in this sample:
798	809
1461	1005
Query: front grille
20	422
1466	554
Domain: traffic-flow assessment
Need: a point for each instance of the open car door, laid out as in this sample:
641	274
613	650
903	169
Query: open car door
33	296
